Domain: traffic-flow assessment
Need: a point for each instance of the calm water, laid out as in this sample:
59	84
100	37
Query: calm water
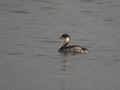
29	31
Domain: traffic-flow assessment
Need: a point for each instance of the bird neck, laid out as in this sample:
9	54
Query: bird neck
67	40
64	45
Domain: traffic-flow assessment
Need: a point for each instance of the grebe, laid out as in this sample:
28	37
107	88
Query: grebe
70	49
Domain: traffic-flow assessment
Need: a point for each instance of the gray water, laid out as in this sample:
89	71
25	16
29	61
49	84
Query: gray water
29	31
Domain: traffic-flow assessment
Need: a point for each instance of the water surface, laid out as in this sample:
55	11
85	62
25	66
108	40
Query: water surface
29	31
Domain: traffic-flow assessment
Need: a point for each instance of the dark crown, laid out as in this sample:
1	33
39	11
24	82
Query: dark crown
65	36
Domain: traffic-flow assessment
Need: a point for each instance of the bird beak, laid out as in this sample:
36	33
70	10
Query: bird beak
60	38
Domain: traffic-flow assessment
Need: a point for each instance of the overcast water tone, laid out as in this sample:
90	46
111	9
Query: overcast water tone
29	57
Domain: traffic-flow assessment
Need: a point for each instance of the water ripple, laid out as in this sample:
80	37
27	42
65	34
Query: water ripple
42	0
41	55
87	0
86	11
50	41
100	3
116	59
15	53
108	19
114	6
24	12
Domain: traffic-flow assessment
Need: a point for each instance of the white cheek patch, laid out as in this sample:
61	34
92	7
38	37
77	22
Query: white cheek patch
67	39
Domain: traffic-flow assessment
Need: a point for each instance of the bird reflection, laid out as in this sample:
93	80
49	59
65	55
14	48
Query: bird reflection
65	70
65	62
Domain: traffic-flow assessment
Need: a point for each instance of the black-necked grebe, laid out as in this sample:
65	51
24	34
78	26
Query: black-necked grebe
70	49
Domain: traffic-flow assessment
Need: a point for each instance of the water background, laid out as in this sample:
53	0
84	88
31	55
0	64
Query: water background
29	31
